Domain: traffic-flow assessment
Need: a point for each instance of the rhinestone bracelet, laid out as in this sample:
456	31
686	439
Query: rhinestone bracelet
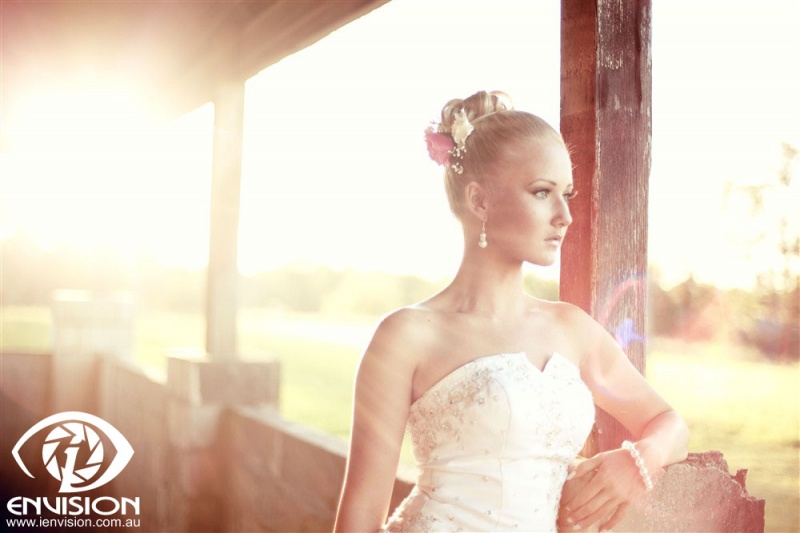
648	483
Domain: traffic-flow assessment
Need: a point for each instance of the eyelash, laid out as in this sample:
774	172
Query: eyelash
567	196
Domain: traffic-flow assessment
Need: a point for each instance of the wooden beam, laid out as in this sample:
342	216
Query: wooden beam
223	273
606	121
244	38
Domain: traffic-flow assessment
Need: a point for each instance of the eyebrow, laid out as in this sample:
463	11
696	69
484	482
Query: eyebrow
551	182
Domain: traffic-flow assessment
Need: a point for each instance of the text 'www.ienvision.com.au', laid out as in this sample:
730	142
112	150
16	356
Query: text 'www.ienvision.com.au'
42	522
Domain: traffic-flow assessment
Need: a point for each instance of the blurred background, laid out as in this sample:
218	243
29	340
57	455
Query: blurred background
344	217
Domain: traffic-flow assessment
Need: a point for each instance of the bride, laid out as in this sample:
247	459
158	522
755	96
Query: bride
497	389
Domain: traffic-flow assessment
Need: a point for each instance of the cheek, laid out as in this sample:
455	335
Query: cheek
518	218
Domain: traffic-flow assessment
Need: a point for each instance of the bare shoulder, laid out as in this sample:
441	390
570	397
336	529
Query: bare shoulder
562	315
578	331
598	348
406	325
572	317
399	335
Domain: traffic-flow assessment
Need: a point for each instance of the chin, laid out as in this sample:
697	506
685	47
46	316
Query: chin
543	261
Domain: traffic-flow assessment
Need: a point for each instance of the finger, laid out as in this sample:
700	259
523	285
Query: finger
596	516
581	496
587	513
571	489
597	482
563	525
584	467
615	518
575	462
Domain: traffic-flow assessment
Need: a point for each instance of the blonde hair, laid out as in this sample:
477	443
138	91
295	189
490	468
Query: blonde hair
498	128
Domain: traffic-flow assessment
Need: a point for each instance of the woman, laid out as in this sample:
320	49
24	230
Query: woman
498	388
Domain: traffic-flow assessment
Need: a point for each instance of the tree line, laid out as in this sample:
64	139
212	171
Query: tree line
766	317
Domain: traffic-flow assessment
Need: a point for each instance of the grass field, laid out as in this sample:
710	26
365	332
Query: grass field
734	402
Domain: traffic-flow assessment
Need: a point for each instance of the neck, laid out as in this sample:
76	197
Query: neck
486	286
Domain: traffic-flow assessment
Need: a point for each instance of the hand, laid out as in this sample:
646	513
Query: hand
572	487
600	489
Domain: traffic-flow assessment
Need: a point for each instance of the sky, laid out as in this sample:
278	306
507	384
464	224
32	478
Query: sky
335	169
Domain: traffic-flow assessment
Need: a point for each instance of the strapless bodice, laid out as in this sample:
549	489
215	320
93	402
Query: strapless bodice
492	441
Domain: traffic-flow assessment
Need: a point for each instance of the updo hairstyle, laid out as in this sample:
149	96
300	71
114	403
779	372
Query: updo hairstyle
498	131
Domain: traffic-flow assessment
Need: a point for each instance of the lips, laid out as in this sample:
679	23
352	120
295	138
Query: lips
554	239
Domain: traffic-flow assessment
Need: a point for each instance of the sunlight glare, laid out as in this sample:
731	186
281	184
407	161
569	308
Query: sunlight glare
89	169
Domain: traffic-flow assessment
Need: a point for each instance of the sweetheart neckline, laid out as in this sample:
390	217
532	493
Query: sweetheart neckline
449	376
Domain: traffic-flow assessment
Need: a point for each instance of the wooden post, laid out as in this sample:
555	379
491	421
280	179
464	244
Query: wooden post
606	121
223	272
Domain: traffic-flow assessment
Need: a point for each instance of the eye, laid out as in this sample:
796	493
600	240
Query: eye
570	195
80	450
542	194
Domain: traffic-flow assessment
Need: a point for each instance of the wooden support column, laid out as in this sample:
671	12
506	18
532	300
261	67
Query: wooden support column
606	121
223	272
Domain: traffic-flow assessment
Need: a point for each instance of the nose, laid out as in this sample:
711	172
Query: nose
562	217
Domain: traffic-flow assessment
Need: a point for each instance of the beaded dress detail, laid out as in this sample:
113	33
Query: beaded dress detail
492	441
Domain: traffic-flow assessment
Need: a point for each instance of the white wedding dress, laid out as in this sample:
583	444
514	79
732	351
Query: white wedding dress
493	440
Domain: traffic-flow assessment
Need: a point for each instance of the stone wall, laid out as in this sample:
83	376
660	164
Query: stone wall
203	460
283	476
136	405
212	453
24	400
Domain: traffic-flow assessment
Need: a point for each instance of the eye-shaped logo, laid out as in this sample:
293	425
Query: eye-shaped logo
80	450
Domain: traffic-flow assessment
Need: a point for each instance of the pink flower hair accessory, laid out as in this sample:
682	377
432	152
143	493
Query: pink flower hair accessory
448	148
440	146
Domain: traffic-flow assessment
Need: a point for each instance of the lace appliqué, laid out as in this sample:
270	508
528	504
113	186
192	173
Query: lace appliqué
410	515
413	522
565	424
439	414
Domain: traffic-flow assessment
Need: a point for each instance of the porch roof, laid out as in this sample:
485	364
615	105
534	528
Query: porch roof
176	52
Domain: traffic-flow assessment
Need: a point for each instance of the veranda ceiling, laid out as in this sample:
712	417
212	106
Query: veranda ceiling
173	52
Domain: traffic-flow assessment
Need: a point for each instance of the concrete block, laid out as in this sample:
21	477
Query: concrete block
183	379
698	494
87	326
257	446
191	426
25	379
313	470
192	473
280	508
244	488
224	382
203	514
240	382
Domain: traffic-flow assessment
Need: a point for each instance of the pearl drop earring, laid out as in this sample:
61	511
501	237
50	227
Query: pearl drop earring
482	242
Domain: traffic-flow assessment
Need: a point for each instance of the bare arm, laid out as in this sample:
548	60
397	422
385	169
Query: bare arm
660	434
620	390
381	404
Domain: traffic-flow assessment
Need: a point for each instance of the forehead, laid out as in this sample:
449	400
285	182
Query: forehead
538	159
